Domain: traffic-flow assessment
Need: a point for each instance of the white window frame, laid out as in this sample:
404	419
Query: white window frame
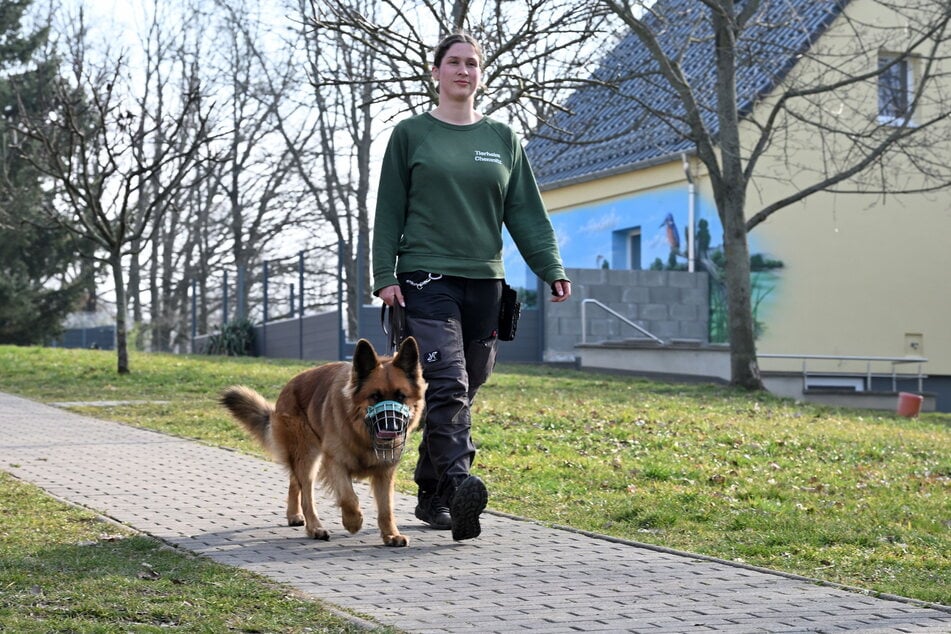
909	86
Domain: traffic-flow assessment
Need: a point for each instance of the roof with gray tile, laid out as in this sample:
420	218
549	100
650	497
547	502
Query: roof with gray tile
629	117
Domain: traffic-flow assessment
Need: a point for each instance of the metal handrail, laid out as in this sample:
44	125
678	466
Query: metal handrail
895	361
584	321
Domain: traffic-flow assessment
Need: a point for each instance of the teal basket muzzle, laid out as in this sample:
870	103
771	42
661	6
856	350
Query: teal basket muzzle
387	423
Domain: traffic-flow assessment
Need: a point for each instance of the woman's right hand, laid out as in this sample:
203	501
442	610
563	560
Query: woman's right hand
392	295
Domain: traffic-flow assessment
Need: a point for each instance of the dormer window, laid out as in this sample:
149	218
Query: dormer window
895	88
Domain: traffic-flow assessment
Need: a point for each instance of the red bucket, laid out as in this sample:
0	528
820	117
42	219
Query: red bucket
909	405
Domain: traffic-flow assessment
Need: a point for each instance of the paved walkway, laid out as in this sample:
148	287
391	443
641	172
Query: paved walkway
518	576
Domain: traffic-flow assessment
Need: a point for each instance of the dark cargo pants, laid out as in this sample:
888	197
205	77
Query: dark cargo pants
455	321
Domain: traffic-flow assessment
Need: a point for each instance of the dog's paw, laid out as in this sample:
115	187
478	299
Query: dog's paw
352	521
319	533
396	540
295	520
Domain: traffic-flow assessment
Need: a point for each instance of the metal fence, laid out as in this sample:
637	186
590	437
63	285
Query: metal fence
97	338
278	299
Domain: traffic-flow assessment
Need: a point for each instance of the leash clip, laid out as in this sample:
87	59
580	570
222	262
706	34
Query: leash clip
430	277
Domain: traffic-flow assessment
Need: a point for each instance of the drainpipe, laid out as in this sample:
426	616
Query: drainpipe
691	212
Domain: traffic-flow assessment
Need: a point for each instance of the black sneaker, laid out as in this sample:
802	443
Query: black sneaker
466	506
436	515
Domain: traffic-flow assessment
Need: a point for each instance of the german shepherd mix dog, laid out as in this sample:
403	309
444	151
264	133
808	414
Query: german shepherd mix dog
340	421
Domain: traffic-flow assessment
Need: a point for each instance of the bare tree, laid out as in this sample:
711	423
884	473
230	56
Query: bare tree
115	166
248	206
537	51
825	98
338	141
369	64
158	260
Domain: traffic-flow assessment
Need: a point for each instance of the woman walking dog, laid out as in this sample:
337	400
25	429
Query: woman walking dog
450	179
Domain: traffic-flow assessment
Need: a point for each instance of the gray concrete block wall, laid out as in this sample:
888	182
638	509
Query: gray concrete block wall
668	304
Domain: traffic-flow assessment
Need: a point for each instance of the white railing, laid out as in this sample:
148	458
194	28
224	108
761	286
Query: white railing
893	361
866	376
584	320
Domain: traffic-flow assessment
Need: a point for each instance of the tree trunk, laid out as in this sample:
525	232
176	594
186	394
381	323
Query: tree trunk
364	155
155	299
353	295
134	294
744	367
171	308
730	195
122	347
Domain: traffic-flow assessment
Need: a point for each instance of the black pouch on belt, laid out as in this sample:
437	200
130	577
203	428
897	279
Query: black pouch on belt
508	313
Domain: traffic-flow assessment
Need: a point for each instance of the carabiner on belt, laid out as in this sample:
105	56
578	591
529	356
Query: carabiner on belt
430	277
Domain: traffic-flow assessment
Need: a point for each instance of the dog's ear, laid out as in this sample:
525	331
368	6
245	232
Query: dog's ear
364	361
407	357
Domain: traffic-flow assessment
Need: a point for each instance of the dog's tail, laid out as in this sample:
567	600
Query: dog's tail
250	409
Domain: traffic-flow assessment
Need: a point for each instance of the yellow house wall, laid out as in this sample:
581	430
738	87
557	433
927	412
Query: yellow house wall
863	275
613	187
860	281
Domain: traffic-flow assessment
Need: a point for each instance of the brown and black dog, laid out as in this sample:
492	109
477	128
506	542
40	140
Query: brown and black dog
328	422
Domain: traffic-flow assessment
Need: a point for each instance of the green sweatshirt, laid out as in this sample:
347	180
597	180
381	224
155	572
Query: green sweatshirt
445	192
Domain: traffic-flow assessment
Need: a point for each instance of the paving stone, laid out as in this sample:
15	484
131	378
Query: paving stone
518	576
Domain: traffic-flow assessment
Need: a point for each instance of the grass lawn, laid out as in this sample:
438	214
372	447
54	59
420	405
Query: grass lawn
855	497
63	569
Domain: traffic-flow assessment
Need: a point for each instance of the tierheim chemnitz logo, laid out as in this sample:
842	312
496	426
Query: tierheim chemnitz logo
488	157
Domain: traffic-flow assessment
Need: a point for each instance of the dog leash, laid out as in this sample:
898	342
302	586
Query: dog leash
397	325
397	319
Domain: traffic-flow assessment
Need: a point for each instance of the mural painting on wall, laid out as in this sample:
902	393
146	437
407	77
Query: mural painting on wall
649	231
